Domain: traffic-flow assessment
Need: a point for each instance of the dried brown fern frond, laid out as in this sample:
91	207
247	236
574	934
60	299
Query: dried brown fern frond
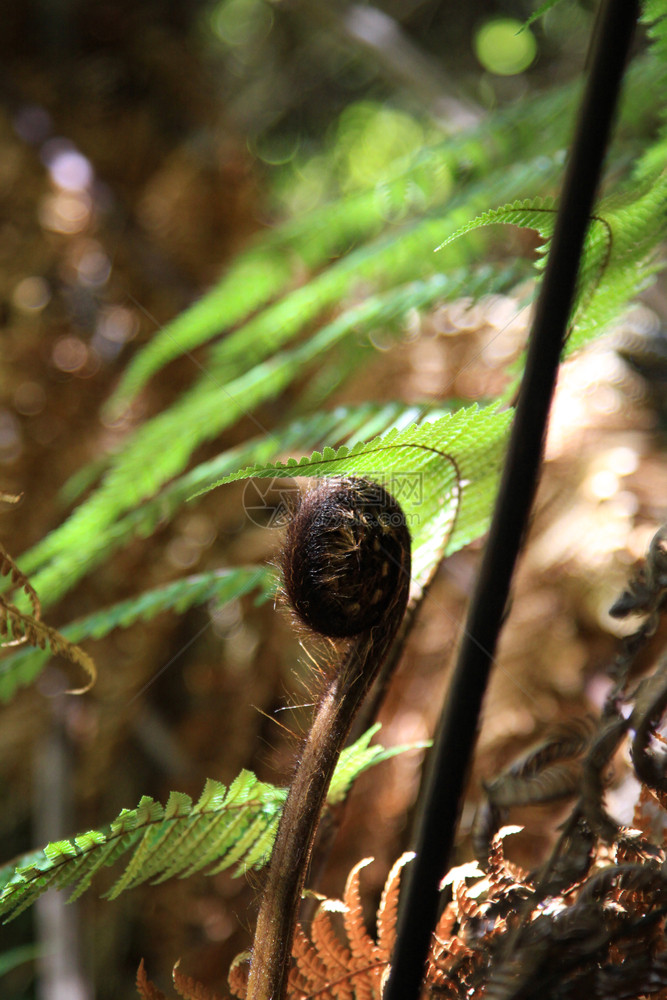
546	772
346	962
191	989
146	989
339	959
647	589
497	937
646	595
186	987
18	578
19	627
387	913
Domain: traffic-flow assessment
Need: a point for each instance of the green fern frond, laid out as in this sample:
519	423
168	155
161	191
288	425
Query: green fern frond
220	586
387	262
161	448
482	156
444	474
253	365
618	264
400	255
18	627
267	270
540	12
619	253
529	213
654	16
342	424
358	757
226	828
251	283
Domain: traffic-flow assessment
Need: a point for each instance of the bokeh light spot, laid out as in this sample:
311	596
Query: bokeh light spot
371	137
94	267
29	399
239	22
65	213
601	485
502	48
69	169
117	324
31	294
69	354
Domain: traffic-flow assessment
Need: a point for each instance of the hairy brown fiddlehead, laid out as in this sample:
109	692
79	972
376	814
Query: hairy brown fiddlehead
346	567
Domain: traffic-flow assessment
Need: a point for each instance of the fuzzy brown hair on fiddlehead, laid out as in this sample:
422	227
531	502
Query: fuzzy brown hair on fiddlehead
344	557
346	568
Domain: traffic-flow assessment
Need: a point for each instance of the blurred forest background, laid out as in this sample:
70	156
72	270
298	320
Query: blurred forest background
141	146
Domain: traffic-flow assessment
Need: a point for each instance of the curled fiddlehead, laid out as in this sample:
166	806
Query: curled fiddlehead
346	568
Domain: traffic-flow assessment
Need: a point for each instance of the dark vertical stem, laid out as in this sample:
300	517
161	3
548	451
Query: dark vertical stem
457	733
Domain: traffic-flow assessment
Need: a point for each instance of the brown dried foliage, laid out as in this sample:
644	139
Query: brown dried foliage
186	987
9	568
19	627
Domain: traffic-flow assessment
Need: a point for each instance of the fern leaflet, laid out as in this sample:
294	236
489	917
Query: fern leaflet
226	827
444	475
408	189
619	254
161	448
341	424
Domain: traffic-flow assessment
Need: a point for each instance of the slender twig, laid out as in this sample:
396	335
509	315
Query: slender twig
457	732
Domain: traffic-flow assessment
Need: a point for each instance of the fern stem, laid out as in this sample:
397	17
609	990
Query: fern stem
274	934
272	947
460	718
347	560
